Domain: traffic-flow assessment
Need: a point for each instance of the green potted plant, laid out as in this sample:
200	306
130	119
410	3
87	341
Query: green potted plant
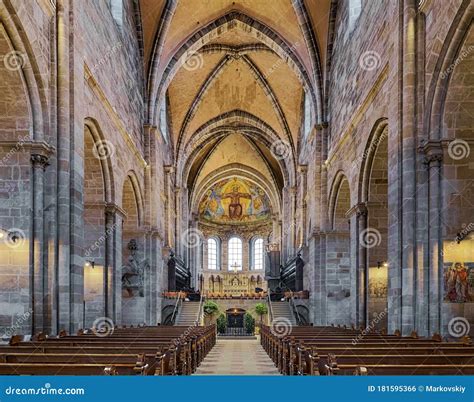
210	308
261	309
249	323
221	323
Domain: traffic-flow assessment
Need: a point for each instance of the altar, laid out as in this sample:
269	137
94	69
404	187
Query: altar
232	283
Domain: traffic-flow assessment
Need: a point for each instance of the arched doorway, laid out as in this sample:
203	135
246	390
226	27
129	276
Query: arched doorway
235	321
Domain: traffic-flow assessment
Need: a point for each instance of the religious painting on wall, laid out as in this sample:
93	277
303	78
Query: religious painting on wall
459	282
234	201
378	281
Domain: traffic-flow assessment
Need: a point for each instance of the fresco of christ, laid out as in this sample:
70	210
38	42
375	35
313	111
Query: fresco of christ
235	207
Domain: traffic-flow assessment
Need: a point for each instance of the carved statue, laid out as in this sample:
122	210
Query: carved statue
133	271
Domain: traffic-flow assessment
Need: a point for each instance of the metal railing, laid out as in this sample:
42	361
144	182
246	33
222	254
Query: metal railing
176	307
201	304
294	310
270	308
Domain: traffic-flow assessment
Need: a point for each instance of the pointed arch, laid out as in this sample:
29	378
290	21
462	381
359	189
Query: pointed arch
222	24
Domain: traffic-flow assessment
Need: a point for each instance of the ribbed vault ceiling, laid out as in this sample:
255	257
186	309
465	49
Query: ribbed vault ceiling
212	58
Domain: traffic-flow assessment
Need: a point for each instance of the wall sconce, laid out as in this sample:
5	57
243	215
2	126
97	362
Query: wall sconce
381	264
90	263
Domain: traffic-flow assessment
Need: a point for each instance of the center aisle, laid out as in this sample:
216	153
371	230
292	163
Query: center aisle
237	357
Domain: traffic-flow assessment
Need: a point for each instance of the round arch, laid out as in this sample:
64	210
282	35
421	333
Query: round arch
225	124
334	193
378	134
105	163
439	85
236	170
14	32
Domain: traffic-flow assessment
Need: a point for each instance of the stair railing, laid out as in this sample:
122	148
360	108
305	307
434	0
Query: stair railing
270	308
293	308
201	304
176	308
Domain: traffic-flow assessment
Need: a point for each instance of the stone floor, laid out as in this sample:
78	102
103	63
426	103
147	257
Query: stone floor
237	357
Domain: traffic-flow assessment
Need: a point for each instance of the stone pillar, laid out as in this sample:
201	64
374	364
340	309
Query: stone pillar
292	191
114	216
38	270
179	245
408	167
362	278
303	170
169	171
434	274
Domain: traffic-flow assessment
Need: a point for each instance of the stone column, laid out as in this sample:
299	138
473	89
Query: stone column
434	274
303	170
179	246
169	171
38	270
408	161
362	278
114	216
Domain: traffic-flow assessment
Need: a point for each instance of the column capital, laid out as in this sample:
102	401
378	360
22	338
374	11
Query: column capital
169	169
360	210
321	126
432	151
114	209
39	161
303	169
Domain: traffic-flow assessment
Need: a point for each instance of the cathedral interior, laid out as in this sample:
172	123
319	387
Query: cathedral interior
170	163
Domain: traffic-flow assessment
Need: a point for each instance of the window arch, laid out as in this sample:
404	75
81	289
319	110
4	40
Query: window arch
235	254
213	255
258	256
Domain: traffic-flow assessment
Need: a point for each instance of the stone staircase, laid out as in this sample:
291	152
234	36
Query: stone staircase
281	309
188	313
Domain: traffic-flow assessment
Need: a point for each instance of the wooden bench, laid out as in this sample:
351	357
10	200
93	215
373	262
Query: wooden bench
127	351
335	351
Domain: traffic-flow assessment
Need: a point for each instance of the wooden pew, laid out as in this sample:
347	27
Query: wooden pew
127	351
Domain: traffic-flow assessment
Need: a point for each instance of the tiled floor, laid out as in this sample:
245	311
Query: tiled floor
237	357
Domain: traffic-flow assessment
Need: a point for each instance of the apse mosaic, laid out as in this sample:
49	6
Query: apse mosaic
234	201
